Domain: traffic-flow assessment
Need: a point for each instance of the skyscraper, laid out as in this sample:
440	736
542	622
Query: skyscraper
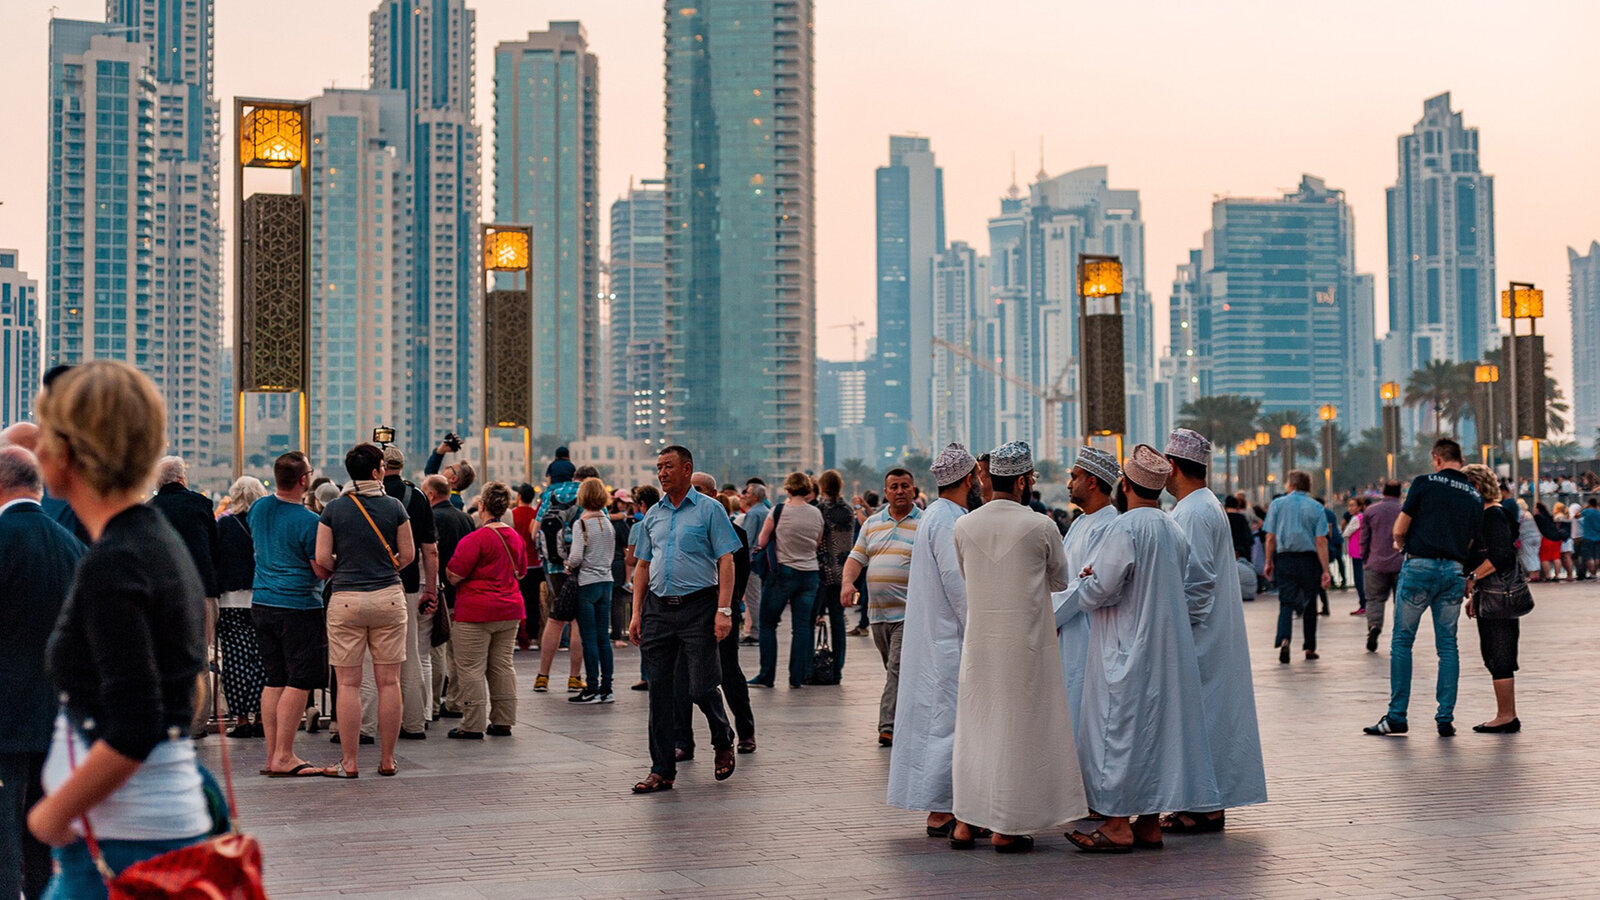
910	233
547	170
1442	299
960	287
360	267
1034	246
740	239
19	340
100	219
1286	324
425	52
186	235
638	298
1584	292
1184	370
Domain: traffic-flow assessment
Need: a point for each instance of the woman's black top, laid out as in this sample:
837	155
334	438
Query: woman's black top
131	637
1496	542
236	555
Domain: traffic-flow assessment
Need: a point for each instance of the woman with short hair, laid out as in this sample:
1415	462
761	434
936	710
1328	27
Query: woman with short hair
1494	551
589	561
363	541
484	569
243	676
796	527
129	646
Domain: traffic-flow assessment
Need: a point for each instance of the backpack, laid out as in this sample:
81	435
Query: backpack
555	529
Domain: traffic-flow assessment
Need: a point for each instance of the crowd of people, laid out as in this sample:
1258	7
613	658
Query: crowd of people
1036	666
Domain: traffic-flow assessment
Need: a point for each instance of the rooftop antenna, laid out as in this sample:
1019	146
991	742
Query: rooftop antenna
1042	173
1013	192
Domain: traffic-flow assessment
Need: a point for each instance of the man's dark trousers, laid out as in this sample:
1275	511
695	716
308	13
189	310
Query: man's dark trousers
686	629
24	862
1299	580
734	690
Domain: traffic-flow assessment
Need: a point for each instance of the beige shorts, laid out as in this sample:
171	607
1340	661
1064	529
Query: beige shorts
361	619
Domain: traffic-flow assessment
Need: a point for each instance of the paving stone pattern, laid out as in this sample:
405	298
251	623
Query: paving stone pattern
548	813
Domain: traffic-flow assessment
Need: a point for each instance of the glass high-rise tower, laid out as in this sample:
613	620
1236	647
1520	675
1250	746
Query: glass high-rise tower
1584	292
425	51
638	299
19	340
546	174
1442	300
910	234
740	235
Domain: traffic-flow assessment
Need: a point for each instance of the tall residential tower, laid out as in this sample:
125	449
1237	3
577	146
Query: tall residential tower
546	174
910	234
1584	291
638	297
19	340
740	237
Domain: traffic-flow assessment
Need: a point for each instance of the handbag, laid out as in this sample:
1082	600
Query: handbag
824	666
441	624
1503	595
766	561
564	607
226	867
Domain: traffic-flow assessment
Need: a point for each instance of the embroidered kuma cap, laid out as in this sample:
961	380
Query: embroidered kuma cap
1011	459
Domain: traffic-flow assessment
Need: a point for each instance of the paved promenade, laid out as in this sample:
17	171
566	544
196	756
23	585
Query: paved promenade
548	813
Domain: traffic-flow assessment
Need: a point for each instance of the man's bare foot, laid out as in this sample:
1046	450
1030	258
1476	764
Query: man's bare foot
936	820
1147	829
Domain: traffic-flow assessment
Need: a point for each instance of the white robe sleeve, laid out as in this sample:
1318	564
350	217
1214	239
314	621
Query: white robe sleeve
1200	576
1056	563
955	584
1112	567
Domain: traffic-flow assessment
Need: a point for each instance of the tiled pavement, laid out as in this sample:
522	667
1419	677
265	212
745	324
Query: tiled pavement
547	813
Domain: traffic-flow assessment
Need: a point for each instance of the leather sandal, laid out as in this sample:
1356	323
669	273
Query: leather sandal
1193	823
725	763
1019	843
1096	842
652	783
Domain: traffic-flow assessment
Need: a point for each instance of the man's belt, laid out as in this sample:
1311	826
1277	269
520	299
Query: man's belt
675	599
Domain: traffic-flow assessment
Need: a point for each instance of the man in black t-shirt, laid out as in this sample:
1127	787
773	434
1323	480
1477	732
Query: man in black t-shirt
420	580
1441	515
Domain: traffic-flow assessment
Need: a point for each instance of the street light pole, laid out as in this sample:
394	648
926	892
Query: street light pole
1390	392
1328	413
1288	433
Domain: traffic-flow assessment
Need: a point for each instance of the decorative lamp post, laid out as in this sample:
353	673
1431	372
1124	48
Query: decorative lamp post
272	287
508	337
1288	433
1263	465
1330	445
1390	392
1100	351
1487	376
1525	355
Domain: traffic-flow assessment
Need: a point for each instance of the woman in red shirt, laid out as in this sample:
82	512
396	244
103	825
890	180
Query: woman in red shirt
485	569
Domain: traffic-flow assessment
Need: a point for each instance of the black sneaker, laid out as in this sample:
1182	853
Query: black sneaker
413	735
1387	725
1372	638
1446	729
585	696
607	697
1283	653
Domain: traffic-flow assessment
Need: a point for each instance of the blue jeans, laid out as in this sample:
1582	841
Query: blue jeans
1435	585
787	587
80	880
594	628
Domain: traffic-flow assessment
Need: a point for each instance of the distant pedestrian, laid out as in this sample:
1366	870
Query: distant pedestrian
191	515
593	546
1586	531
484	568
795	529
243	677
1380	560
451	525
561	468
838	537
1296	532
1441	517
1351	530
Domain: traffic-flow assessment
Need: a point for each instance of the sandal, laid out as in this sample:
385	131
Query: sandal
1097	842
747	746
944	831
652	783
1019	843
304	770
725	764
338	771
391	771
1193	823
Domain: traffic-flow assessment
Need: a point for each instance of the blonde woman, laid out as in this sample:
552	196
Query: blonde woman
589	561
484	569
129	646
243	676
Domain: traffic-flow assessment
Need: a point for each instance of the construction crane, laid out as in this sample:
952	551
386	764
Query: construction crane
1052	397
855	337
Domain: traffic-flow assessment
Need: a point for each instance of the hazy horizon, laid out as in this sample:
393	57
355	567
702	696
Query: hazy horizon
1184	102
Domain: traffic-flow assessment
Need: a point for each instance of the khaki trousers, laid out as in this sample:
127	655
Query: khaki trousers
483	658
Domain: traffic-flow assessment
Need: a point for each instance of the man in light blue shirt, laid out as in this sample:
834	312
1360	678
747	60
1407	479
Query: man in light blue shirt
757	509
683	605
1296	532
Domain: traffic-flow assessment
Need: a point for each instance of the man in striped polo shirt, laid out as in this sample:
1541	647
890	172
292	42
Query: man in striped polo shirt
883	548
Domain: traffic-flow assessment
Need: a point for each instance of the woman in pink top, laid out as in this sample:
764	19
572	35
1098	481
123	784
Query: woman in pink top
1352	547
485	569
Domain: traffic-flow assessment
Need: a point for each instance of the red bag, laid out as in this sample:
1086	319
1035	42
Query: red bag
226	867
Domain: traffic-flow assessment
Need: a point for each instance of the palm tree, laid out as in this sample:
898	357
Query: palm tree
1560	451
856	472
1224	418
1438	385
1273	422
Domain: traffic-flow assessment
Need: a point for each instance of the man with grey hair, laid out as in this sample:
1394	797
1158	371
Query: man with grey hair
190	514
35	573
756	509
26	436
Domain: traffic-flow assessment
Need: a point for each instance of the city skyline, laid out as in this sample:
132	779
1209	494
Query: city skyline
1340	124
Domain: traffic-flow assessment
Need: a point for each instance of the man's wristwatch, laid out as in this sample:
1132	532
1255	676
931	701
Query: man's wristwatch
725	611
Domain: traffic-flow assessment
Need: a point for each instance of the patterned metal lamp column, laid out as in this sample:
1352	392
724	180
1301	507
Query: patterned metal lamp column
272	311
508	339
1100	349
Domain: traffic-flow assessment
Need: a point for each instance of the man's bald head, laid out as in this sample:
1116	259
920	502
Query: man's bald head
19	474
21	434
704	483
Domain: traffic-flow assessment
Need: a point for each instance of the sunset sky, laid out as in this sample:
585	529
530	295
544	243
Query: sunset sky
1184	101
